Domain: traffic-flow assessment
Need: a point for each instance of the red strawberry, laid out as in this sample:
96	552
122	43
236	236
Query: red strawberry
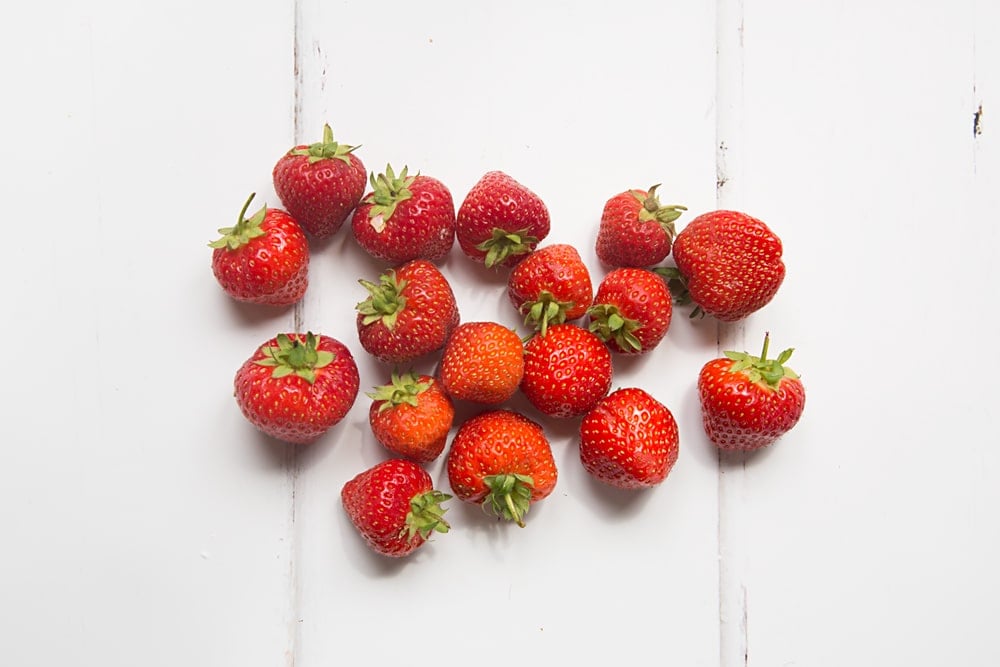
629	440
550	286
502	460
320	184
411	416
295	387
729	262
395	507
566	371
748	402
500	221
482	362
636	230
632	310
409	313
263	259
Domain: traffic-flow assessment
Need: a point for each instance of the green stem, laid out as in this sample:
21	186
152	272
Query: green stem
243	211
767	340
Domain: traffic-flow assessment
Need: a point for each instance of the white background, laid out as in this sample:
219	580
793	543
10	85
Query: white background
145	522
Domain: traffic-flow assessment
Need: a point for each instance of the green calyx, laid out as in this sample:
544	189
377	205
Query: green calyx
677	284
544	311
238	236
388	190
503	244
761	370
385	300
509	497
609	324
327	149
652	209
426	515
295	356
401	389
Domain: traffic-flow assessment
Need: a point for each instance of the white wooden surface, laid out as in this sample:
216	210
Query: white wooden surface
145	522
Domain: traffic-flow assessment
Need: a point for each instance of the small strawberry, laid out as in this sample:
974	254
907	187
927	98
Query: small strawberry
500	221
405	217
550	286
629	440
502	460
409	313
320	184
263	259
566	371
394	507
729	264
411	416
295	387
632	310
636	230
748	402
483	362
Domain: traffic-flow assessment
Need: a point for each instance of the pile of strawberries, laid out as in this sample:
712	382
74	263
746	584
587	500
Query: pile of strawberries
296	386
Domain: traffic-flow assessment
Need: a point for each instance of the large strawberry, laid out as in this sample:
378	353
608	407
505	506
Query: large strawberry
502	460
410	312
629	440
295	387
394	507
748	402
405	217
635	229
566	371
729	262
263	259
320	184
500	221
483	362
411	416
550	286
631	311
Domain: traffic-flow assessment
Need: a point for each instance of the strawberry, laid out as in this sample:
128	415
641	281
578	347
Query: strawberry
411	416
629	440
729	264
263	259
550	286
295	387
748	402
409	313
394	507
502	460
405	217
500	221
636	230
631	311
483	362
320	184
566	371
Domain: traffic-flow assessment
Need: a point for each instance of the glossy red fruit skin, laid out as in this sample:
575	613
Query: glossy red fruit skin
739	415
422	227
272	269
629	440
558	269
483	362
377	501
290	408
319	195
418	432
624	240
731	263
566	371
641	295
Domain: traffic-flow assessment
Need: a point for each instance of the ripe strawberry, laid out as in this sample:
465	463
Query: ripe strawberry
395	507
550	286
405	217
566	371
483	362
502	460
409	313
263	259
295	387
629	440
320	184
411	416
748	402
632	310
729	263
636	230
500	221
